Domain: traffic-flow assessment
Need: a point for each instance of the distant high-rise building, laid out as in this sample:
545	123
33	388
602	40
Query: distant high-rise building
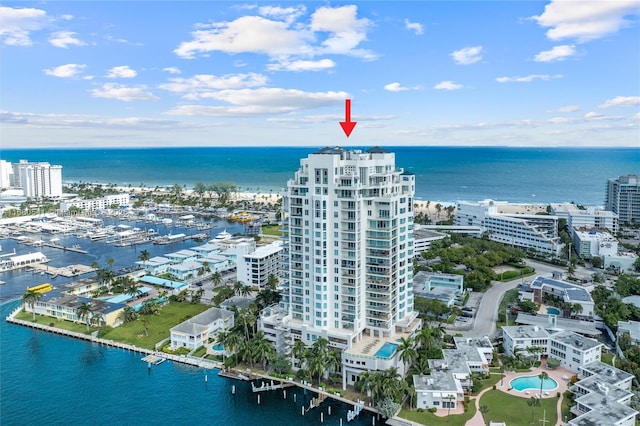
6	173
38	179
348	250
623	198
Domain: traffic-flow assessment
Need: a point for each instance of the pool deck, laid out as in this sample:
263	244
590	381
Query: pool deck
557	374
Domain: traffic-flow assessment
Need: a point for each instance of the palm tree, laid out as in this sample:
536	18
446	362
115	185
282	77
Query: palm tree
542	376
421	365
262	348
83	312
216	279
483	409
96	319
30	298
234	340
144	256
450	398
532	402
334	360
298	351
133	289
145	324
407	351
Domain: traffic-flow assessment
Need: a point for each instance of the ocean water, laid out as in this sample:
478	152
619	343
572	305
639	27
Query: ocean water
444	174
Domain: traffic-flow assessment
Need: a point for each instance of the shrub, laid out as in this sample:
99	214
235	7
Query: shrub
420	410
230	362
433	409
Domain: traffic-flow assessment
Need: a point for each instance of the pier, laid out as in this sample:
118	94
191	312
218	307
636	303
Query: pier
269	387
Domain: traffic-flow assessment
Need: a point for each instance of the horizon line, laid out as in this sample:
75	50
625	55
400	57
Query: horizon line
309	146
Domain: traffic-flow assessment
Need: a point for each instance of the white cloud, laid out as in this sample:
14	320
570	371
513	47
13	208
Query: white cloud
448	85
287	14
262	101
330	31
302	65
248	34
194	86
527	79
64	39
557	53
17	24
172	70
123	93
396	87
414	26
122	71
569	108
345	30
65	71
592	115
586	20
467	55
621	101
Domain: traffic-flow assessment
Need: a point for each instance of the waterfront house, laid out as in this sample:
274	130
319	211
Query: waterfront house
65	306
200	329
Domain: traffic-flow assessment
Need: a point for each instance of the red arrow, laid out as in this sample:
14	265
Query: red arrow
347	125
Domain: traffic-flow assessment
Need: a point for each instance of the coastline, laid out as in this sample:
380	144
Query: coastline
183	359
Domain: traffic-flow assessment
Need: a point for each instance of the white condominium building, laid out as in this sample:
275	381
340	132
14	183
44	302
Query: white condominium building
527	231
588	217
93	204
38	179
348	219
255	268
623	198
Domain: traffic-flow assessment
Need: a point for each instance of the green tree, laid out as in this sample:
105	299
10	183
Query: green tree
532	402
216	279
298	352
542	376
30	298
83	312
144	257
407	351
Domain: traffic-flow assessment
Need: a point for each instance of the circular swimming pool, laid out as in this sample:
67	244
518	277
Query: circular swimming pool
533	383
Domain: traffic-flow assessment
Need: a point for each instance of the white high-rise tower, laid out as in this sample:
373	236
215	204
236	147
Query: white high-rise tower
348	219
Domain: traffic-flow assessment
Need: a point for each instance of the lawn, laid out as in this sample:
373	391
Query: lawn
158	327
427	418
514	410
272	230
58	323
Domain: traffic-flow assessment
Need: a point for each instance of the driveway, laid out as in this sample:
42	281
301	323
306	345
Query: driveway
484	323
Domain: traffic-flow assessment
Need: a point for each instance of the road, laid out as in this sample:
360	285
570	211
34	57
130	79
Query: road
484	323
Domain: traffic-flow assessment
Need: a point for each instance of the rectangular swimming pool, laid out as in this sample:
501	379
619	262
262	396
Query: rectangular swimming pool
386	351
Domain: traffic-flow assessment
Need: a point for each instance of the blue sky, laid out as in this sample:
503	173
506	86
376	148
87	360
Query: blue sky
477	73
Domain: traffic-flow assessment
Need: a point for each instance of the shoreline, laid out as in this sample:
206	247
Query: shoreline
183	359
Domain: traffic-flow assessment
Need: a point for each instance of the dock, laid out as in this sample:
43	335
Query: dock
66	271
153	359
236	375
268	387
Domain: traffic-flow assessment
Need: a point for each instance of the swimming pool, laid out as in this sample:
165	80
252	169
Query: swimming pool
386	350
553	311
218	347
532	382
